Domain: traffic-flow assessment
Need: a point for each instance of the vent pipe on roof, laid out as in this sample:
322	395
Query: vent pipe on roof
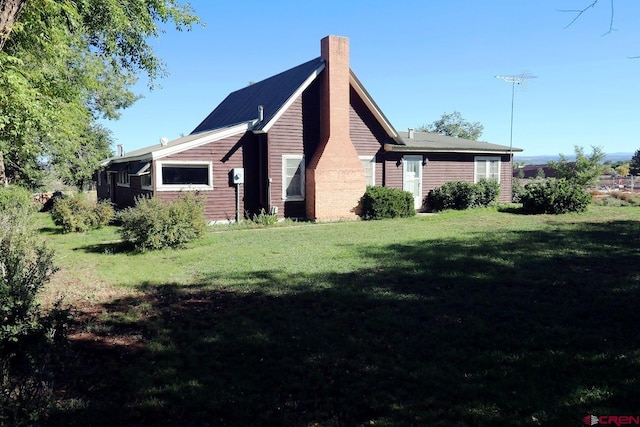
120	150
410	133
260	113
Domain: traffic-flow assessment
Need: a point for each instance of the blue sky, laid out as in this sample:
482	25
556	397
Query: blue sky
418	59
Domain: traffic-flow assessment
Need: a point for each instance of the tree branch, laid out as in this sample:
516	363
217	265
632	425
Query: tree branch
580	12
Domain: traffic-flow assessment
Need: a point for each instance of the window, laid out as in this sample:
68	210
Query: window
293	177
184	175
145	181
369	165
123	178
487	167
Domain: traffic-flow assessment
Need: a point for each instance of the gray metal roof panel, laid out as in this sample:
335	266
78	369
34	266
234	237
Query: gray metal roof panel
272	93
434	141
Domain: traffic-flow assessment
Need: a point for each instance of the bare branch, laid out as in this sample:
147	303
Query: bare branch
610	22
578	12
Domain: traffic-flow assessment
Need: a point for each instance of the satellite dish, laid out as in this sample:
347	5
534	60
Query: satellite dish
164	141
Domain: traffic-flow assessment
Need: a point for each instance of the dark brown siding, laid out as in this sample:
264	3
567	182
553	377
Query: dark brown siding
393	171
366	133
125	196
226	154
286	137
255	174
102	186
442	168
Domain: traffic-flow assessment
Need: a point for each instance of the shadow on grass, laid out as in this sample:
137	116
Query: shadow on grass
51	231
118	247
536	328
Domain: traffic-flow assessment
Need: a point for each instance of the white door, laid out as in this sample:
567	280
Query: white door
412	178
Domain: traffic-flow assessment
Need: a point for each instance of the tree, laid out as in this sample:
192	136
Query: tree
65	64
623	169
454	125
634	166
585	170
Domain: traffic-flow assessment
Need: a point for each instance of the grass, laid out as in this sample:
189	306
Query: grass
480	317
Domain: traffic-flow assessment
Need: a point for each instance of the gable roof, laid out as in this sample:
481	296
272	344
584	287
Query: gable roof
435	142
272	93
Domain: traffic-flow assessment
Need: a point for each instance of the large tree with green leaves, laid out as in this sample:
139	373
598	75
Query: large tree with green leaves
585	170
63	65
454	125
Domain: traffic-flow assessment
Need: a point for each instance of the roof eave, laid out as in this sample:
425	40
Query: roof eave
163	151
413	149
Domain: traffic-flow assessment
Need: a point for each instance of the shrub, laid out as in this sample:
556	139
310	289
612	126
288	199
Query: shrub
77	214
487	192
28	336
154	224
556	196
462	195
618	198
383	202
263	218
517	190
14	196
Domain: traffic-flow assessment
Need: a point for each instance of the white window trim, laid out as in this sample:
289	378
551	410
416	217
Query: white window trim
182	187
124	172
299	157
486	159
372	160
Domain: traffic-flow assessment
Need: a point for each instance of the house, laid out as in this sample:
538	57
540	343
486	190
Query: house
304	143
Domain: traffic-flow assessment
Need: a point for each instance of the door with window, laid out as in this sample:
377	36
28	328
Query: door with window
412	178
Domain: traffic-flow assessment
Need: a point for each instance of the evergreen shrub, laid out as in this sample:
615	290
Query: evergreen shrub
383	202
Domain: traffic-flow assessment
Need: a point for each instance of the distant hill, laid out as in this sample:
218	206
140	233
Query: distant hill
544	159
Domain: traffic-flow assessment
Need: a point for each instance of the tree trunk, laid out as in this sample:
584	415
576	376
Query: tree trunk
3	175
9	12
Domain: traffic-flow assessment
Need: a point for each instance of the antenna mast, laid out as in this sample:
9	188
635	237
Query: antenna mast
514	79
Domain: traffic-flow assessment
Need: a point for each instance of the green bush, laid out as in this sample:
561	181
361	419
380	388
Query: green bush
487	192
262	218
14	196
383	202
28	336
77	214
462	195
516	191
154	224
556	196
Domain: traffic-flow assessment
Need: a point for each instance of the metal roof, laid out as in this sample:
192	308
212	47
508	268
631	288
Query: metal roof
435	142
272	93
177	145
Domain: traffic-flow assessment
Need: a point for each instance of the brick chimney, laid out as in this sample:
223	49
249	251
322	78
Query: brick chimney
335	179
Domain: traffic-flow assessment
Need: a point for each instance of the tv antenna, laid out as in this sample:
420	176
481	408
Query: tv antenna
519	80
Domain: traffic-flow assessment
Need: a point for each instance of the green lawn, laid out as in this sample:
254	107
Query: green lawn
460	319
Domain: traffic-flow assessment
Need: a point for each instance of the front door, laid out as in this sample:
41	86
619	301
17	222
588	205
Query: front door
412	178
